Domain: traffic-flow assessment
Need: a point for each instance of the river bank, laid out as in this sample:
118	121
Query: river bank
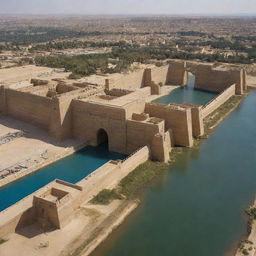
137	180
203	196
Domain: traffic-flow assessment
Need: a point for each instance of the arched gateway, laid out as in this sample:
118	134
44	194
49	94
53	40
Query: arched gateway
102	136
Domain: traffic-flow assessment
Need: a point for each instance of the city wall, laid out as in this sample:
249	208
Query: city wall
28	107
173	74
89	118
51	114
128	81
209	79
70	114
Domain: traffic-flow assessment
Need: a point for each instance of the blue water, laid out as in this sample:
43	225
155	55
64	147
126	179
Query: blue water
187	95
71	169
197	208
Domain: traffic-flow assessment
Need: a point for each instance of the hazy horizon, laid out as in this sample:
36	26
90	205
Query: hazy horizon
129	7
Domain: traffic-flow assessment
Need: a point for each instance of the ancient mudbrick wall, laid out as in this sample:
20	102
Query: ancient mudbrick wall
197	119
177	119
2	100
142	133
212	80
177	74
61	118
89	118
128	81
159	74
161	147
28	107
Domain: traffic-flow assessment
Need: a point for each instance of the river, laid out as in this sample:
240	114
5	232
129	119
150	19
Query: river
197	208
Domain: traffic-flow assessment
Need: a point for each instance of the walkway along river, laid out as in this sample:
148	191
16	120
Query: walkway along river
71	169
198	207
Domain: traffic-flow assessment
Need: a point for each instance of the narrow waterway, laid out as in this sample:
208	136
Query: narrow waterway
197	209
187	95
71	169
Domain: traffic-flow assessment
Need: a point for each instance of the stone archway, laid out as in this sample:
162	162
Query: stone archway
102	137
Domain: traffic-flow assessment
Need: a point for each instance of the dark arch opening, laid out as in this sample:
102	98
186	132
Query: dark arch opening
102	137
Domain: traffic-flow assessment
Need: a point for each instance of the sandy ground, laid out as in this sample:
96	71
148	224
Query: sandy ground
89	222
248	245
13	76
30	150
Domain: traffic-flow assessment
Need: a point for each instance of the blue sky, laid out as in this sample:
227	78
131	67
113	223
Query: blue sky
128	6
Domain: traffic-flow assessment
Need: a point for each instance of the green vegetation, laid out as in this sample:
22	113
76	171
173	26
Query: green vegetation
2	241
74	44
140	177
132	183
106	196
245	252
243	246
82	65
251	212
122	56
192	33
24	36
137	179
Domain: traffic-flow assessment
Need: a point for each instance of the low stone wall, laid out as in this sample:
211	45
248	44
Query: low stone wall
64	88
110	174
218	101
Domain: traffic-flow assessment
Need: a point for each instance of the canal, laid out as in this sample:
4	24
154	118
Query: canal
197	208
187	95
71	169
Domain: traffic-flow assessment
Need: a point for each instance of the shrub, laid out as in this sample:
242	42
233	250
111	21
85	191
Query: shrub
106	196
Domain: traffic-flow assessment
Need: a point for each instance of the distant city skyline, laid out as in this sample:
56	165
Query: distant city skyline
138	7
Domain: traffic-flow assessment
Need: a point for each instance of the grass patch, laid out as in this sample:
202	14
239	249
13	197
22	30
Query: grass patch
251	212
105	197
140	177
2	240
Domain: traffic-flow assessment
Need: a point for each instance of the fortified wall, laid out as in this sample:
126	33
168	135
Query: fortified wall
213	80
118	111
